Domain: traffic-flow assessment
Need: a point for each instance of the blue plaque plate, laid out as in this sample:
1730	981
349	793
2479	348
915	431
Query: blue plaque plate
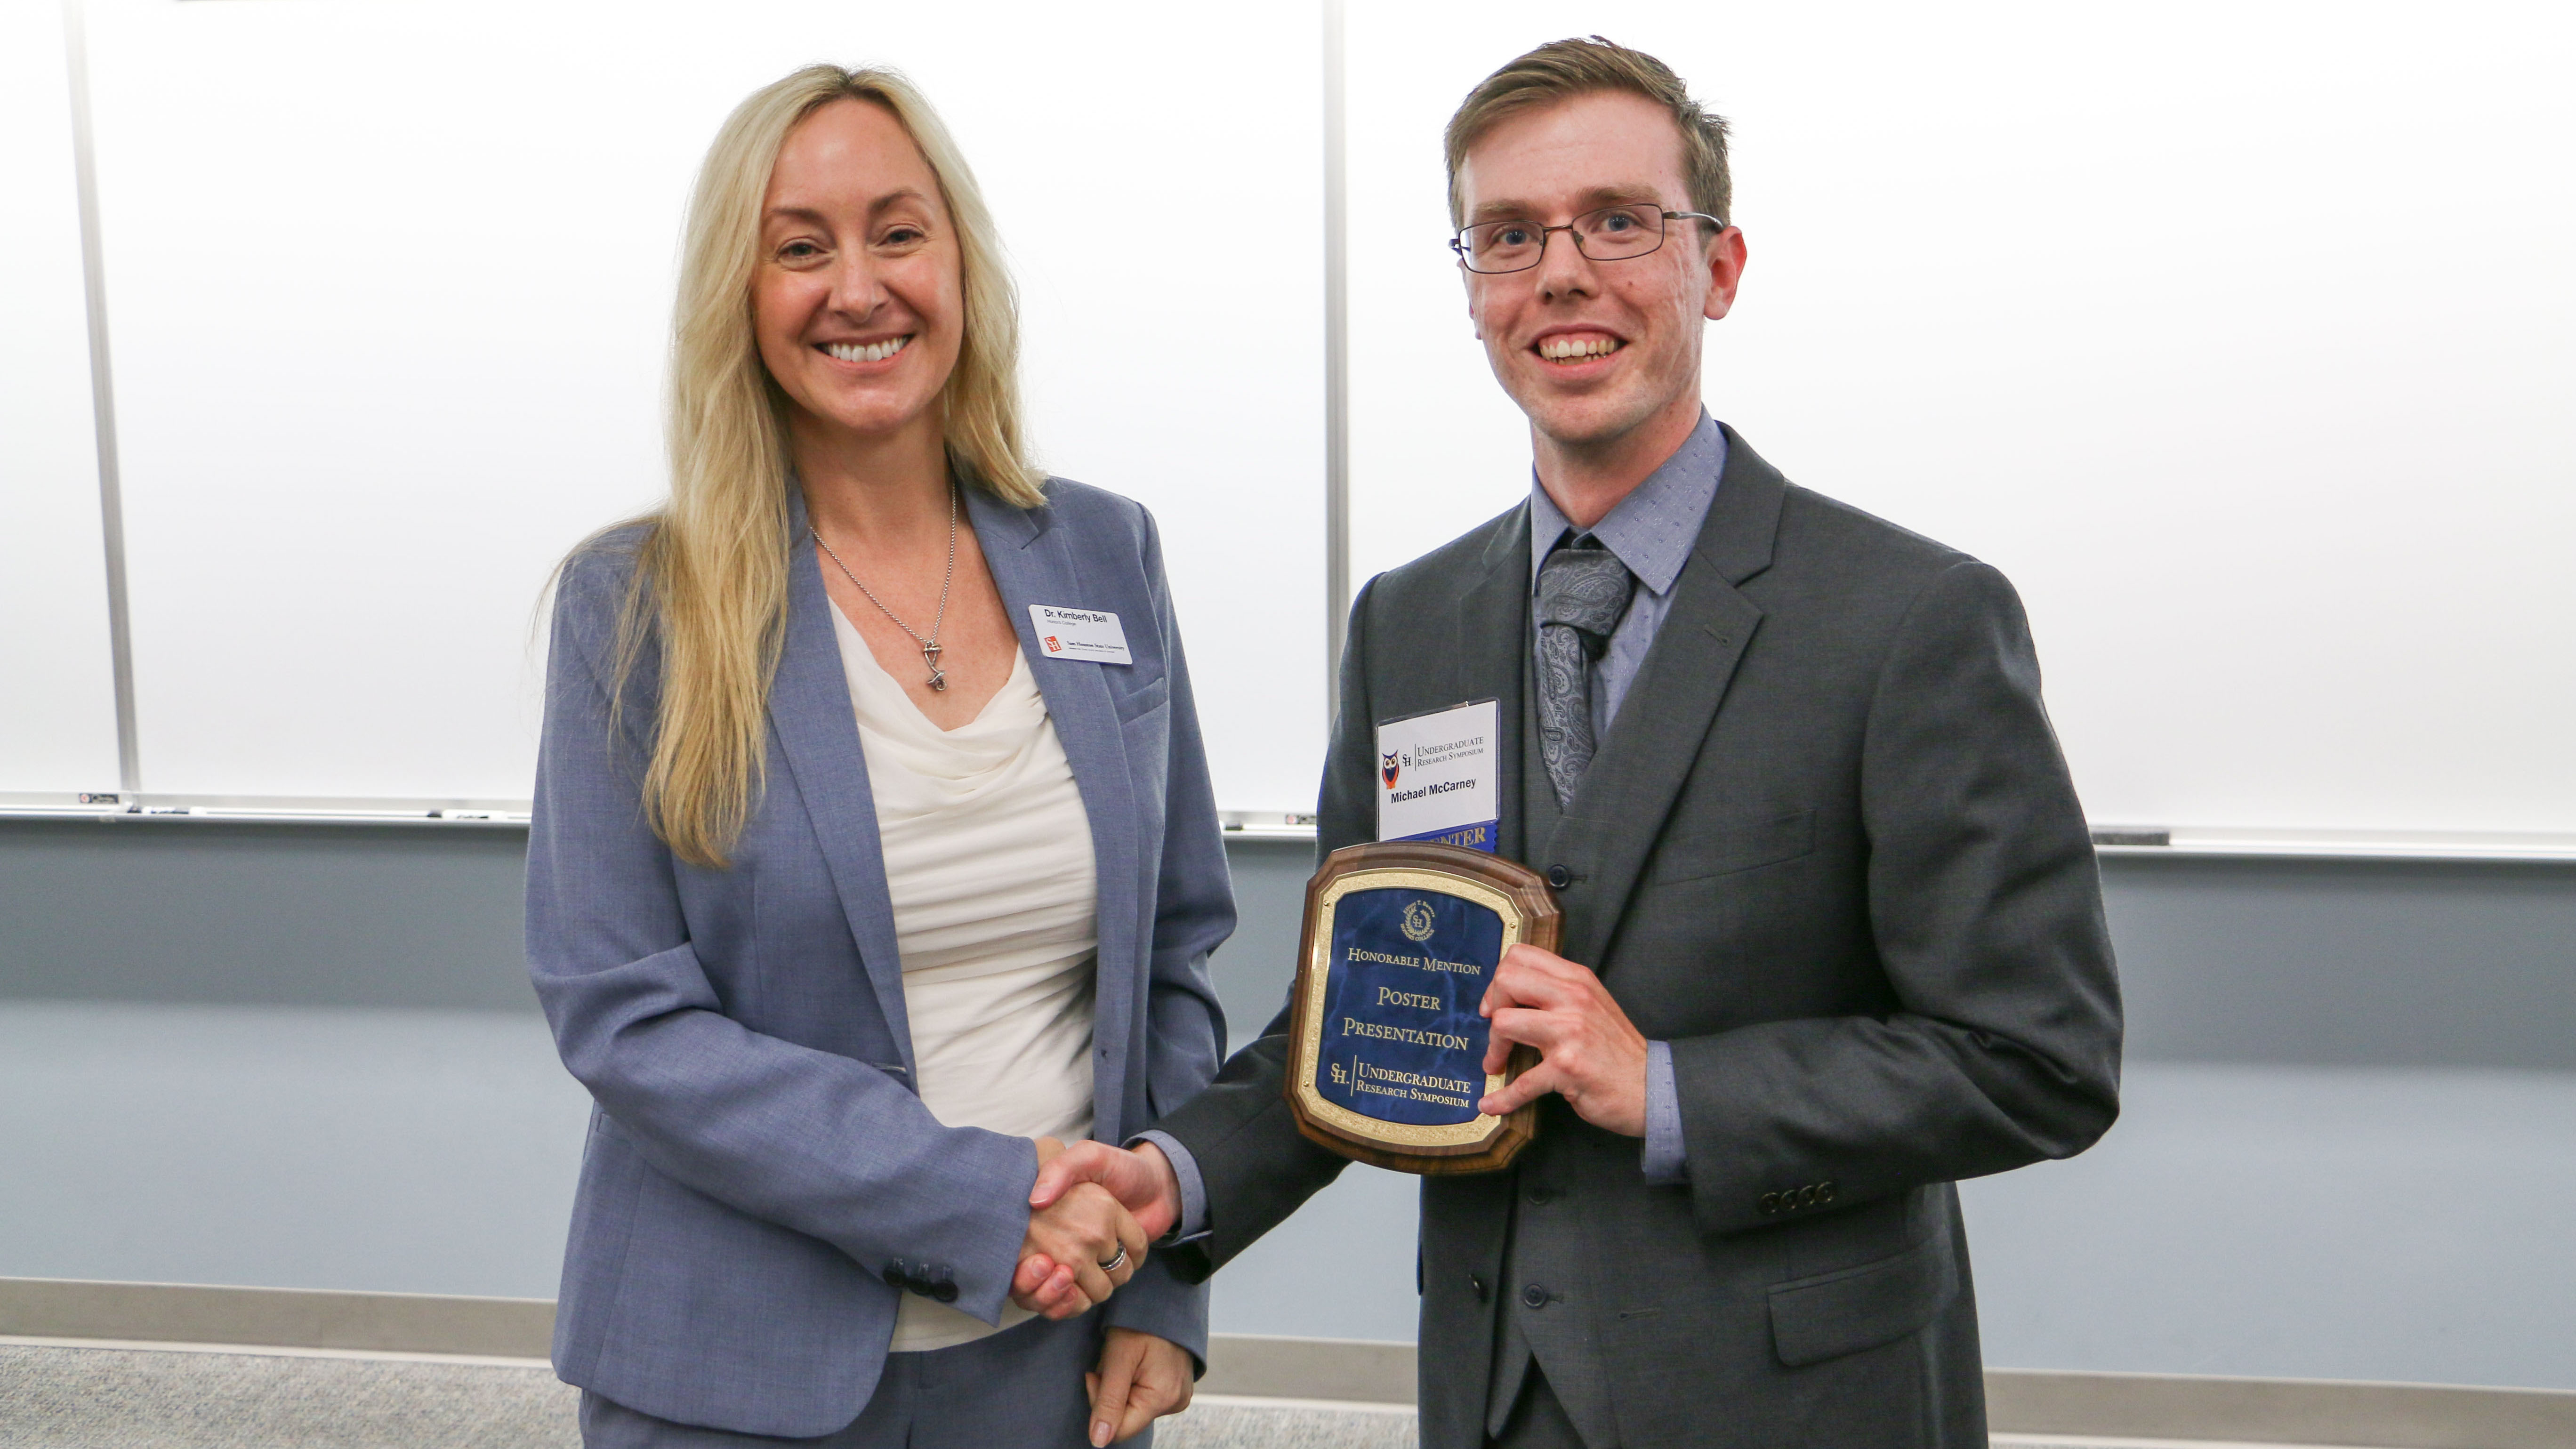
1401	942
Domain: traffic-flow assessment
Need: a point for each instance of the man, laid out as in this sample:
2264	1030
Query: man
1832	932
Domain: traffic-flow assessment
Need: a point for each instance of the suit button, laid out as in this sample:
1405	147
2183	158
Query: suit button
1770	1203
1807	1195
1534	1296
1477	1282
1542	1196
895	1276
944	1292
1559	877
1824	1192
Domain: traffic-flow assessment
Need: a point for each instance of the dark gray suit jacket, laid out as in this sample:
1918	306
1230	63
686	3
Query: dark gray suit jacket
1829	850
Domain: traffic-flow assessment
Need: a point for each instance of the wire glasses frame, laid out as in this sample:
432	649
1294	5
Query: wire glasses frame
1607	234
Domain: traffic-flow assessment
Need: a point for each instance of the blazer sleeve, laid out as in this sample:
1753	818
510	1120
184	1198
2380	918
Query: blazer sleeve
1193	915
820	1143
1986	908
1255	1165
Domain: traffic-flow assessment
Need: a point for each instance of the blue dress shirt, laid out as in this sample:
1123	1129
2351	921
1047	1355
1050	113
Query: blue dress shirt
1652	532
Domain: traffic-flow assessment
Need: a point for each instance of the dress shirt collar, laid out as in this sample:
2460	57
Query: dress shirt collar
1654	528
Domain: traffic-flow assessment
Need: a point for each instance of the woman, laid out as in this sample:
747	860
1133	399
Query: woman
845	898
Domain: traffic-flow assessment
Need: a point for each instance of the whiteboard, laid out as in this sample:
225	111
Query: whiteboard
2242	337
390	290
57	682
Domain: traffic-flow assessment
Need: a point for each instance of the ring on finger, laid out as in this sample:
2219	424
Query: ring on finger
1112	1265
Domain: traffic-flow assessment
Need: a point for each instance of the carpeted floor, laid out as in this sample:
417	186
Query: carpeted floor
89	1398
129	1399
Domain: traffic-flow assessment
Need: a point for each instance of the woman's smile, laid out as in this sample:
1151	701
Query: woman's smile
866	351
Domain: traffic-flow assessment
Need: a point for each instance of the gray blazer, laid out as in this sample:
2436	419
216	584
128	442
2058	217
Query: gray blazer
762	1182
1829	850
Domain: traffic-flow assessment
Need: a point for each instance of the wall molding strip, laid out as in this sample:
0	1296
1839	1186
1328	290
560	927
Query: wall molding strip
102	392
254	1318
1337	359
2278	1411
1246	825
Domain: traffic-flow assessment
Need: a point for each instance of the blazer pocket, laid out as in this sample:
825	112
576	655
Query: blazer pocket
1143	700
1832	1314
1733	846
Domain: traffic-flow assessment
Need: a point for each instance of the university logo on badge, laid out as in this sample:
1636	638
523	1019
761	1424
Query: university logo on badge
1417	922
1052	646
1386	766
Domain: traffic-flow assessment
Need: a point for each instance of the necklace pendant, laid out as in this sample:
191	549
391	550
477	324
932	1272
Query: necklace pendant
938	680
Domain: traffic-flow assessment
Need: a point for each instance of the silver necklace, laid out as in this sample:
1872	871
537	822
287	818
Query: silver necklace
930	646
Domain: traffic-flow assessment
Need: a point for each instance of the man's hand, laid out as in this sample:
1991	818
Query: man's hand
1588	1053
1141	1180
1141	1378
1071	1237
1051	1290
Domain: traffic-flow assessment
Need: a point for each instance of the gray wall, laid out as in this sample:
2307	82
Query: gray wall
2295	962
183	910
306	1056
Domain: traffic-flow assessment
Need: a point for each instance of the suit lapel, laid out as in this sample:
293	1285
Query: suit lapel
1618	811
1493	637
1032	560
818	733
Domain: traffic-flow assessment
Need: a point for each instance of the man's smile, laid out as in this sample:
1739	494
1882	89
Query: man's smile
1576	346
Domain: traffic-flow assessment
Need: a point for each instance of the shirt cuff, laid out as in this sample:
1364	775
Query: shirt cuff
1193	1224
1667	1162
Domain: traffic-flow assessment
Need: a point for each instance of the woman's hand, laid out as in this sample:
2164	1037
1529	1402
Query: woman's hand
1140	1379
1079	1234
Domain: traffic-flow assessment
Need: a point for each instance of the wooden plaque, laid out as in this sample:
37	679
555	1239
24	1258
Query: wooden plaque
1386	1049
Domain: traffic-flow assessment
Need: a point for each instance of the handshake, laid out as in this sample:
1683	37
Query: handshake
1092	1212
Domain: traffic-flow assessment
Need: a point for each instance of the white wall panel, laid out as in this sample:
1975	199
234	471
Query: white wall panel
391	285
2241	336
57	685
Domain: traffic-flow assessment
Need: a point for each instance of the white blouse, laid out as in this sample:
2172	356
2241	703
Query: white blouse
988	863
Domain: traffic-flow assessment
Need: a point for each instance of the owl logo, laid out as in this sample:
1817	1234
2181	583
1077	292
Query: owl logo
1386	766
1417	922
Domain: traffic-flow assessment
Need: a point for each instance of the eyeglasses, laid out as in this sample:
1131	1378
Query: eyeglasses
1612	234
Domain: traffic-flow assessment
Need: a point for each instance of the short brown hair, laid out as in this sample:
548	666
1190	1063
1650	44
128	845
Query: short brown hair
1563	69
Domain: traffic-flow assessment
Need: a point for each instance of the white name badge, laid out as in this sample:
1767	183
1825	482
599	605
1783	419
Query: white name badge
1436	777
1090	635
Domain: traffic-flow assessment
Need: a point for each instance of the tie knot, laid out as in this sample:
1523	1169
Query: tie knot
1584	587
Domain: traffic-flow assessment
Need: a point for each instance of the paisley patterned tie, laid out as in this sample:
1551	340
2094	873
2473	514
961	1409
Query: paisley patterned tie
1582	591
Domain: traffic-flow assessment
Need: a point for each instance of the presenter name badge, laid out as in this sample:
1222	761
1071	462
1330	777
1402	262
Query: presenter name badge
1435	777
1091	635
1387	1050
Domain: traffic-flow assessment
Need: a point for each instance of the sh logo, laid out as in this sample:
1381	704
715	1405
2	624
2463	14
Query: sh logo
1417	922
1052	646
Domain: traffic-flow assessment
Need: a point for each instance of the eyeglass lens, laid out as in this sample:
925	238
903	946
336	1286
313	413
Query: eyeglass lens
1613	233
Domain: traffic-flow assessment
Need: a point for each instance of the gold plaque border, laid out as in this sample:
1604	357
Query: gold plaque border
1310	1049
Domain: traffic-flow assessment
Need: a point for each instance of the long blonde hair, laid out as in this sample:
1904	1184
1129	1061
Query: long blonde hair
711	576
